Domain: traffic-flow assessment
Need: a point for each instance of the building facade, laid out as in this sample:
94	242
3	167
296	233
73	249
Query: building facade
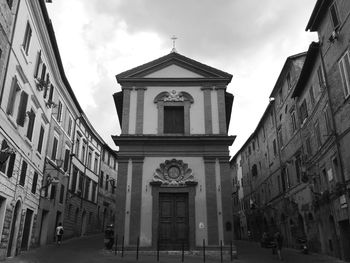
174	185
107	188
40	123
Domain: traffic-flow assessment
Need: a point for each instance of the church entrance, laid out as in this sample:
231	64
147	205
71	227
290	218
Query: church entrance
173	221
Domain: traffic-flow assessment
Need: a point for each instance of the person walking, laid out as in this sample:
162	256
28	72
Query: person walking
59	233
279	242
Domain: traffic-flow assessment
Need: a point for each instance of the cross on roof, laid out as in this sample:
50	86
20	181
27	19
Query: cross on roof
173	38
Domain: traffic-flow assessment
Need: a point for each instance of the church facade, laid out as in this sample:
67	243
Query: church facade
174	185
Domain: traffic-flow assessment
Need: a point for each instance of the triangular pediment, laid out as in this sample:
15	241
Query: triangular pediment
173	67
173	71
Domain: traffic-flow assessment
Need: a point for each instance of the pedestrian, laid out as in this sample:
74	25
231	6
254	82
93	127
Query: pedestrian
279	242
59	233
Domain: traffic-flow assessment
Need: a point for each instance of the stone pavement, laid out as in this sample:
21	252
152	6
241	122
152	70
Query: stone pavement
90	250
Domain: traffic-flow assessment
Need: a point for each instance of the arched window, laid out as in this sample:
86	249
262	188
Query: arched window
173	112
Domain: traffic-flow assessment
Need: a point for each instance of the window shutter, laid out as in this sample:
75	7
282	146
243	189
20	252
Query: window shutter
38	62
31	125
12	96
41	137
22	108
51	93
35	181
22	178
66	160
11	165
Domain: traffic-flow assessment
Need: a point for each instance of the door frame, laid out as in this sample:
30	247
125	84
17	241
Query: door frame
190	190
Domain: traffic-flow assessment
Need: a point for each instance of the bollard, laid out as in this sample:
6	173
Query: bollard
203	250
137	248
183	252
123	247
231	250
221	251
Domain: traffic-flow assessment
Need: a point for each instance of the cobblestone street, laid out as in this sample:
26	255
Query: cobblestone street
90	249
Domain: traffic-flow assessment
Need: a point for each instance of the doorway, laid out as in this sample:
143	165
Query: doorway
83	224
43	227
345	238
173	221
26	229
14	230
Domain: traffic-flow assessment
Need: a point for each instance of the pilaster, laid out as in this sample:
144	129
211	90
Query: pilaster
221	108
135	206
126	109
140	109
210	188
207	109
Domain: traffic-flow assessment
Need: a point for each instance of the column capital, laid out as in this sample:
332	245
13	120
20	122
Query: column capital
127	88
140	88
209	159
220	87
206	87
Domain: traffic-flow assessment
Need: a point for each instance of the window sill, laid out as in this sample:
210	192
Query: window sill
12	121
28	142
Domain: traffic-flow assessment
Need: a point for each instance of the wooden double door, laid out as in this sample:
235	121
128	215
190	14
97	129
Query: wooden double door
173	221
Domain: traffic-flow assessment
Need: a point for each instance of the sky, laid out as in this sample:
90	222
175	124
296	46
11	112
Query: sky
250	39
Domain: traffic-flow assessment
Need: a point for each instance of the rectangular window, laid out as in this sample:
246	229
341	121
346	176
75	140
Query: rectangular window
308	146
327	119
27	37
54	149
53	192
101	180
69	128
87	188
89	159
318	133
113	187
312	96
66	160
37	64
334	15
12	97
23	175
298	168
61	194
303	111
4	148
83	150
77	146
174	119
51	93
289	83
272	122
294	122
96	163
22	109
321	78
80	186
35	182
344	67
11	165
335	167
31	116
74	179
93	194
107	179
280	137
274	147
41	138
59	111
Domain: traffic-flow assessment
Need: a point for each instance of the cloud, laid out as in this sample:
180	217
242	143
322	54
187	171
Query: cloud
249	39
